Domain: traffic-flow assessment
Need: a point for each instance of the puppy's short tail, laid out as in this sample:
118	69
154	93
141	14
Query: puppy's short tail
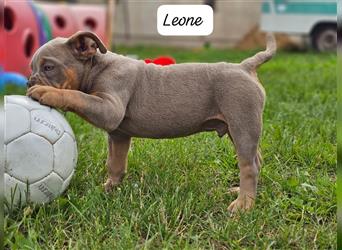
255	61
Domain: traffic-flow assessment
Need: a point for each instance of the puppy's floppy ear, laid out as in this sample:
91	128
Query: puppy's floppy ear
84	44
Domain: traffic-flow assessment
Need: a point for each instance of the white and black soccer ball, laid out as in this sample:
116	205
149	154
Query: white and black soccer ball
40	151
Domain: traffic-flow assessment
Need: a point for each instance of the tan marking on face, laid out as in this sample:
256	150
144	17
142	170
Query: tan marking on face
71	80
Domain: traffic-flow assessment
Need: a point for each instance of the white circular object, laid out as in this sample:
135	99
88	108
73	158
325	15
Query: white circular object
40	151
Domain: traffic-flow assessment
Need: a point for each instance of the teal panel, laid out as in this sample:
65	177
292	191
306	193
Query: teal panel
265	7
318	8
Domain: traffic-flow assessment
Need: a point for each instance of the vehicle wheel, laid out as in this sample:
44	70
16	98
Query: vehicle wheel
325	38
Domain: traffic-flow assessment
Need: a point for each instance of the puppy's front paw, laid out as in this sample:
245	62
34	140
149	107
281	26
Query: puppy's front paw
46	95
110	184
242	203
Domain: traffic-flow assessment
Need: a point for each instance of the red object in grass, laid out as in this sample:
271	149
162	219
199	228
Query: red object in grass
162	60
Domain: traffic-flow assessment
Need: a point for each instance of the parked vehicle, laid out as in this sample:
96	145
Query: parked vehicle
316	20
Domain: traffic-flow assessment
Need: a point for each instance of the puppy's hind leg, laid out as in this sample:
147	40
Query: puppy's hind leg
118	147
244	121
246	145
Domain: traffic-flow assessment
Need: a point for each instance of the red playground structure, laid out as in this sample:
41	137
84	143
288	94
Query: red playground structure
28	25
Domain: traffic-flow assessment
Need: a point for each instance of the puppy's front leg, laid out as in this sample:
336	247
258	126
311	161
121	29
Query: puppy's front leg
102	110
118	147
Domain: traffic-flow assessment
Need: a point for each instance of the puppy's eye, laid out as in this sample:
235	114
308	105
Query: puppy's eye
48	67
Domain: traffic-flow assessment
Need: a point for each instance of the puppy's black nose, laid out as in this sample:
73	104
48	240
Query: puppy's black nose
29	84
31	81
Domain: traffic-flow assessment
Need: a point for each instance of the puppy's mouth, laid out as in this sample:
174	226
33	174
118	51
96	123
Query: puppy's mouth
37	80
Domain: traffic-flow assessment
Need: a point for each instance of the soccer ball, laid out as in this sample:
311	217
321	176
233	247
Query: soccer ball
40	151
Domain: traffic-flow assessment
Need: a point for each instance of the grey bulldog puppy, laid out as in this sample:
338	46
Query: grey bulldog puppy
128	98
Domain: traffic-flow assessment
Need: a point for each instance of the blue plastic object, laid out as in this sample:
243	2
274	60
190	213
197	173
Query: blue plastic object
11	78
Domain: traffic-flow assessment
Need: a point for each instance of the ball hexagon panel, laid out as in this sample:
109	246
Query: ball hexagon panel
29	158
26	102
15	190
67	182
46	189
61	119
44	123
64	155
17	121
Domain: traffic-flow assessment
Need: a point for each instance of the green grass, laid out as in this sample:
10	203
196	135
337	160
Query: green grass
175	195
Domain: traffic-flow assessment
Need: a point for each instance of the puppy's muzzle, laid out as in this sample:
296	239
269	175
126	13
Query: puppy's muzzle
31	81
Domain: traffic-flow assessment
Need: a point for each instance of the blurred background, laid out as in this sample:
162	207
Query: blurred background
27	24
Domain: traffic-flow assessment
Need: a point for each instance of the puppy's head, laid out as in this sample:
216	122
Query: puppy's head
61	62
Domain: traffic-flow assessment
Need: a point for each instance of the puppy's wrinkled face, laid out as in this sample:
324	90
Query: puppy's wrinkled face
60	63
54	65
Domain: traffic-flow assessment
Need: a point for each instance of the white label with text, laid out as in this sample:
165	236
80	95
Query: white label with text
185	20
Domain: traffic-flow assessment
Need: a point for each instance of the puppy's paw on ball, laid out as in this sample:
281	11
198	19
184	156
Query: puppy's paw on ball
46	95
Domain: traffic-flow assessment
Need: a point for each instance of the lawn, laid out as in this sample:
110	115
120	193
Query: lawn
175	195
